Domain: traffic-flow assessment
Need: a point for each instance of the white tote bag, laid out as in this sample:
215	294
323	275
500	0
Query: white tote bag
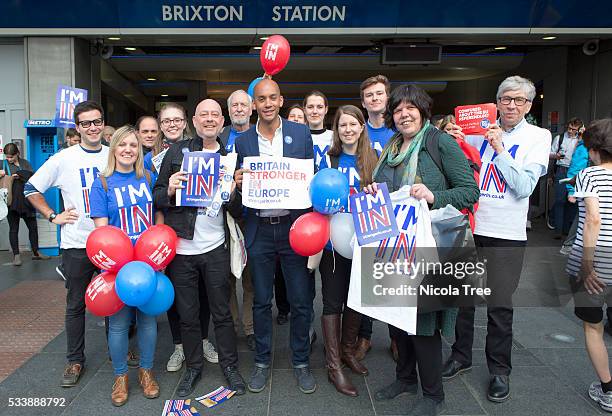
238	254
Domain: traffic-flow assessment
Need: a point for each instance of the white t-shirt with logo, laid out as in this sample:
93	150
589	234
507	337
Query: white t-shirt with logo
208	234
501	214
321	143
73	171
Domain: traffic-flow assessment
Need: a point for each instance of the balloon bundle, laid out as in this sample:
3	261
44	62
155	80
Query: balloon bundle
131	274
329	192
274	57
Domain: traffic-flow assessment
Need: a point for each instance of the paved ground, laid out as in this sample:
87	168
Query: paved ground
550	376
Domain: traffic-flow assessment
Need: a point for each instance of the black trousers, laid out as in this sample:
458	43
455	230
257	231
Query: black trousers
185	273
78	271
335	279
280	290
13	223
424	352
175	322
504	265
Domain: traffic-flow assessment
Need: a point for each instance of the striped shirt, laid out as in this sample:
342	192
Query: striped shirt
595	182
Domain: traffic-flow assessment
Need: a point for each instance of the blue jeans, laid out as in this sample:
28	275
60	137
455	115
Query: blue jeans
119	326
272	240
563	210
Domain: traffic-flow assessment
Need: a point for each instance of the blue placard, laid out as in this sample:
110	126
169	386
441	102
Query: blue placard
373	216
66	99
202	179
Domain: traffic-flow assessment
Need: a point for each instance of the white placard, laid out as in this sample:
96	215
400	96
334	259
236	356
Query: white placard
277	183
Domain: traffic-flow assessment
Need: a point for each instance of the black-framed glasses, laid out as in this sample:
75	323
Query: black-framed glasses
519	101
87	123
168	121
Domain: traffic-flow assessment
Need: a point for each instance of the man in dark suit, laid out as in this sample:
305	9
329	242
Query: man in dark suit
267	236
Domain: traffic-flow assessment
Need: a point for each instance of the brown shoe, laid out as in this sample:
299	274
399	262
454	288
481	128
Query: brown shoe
150	388
120	390
331	338
363	346
72	373
351	321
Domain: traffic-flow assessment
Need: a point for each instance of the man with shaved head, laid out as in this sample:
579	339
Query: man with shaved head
267	238
202	254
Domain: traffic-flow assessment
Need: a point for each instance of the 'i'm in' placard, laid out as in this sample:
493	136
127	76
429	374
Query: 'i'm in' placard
373	215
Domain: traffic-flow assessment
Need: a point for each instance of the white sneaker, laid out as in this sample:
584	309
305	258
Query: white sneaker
209	351
175	363
597	395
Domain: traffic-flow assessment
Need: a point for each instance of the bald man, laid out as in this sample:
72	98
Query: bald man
267	238
202	254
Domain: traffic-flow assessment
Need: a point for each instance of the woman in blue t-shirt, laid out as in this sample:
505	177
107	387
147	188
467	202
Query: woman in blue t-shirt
352	154
121	196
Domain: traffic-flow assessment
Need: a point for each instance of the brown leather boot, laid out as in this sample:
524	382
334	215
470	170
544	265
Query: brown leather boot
150	388
363	346
120	390
351	321
331	337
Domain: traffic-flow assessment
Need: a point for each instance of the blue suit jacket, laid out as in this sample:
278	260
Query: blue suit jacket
297	143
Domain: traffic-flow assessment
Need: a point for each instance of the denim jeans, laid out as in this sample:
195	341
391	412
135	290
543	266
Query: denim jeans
563	210
119	326
272	240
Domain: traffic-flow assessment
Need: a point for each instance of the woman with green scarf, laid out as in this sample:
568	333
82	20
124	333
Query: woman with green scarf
405	161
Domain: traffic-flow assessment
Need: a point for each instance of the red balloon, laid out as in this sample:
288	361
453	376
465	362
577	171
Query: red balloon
109	248
309	234
100	296
156	246
274	54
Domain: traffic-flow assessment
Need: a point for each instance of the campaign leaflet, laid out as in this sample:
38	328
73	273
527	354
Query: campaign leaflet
373	216
202	179
179	408
475	119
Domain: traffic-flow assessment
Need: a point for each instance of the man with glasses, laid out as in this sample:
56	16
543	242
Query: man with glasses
73	171
514	156
202	255
561	152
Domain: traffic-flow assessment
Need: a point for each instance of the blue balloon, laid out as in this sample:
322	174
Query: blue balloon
136	282
329	191
162	299
251	89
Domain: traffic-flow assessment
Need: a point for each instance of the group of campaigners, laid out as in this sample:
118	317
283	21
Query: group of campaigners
389	146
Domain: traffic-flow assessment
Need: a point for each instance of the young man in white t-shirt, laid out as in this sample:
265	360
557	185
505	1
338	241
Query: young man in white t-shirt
514	156
73	171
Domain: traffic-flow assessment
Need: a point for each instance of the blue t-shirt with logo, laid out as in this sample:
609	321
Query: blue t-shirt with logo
347	164
128	203
231	140
379	137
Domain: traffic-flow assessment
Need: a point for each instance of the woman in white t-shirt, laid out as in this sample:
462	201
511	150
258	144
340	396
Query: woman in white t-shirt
590	261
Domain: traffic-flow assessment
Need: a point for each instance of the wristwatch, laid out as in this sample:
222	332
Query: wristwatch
52	216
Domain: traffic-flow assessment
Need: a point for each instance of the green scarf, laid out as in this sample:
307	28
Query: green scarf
392	156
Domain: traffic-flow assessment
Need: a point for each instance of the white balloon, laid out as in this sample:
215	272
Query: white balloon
342	230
